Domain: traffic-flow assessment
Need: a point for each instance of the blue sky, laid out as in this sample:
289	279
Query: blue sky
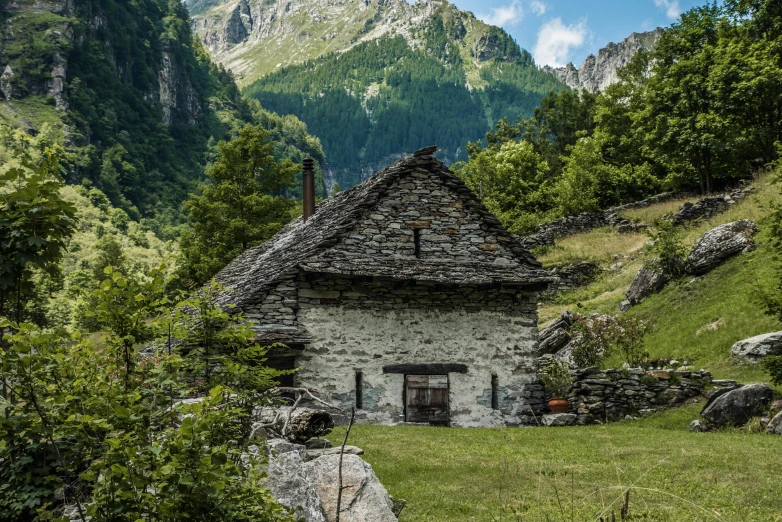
560	31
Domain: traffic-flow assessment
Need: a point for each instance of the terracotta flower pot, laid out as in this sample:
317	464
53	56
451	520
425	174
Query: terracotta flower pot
558	405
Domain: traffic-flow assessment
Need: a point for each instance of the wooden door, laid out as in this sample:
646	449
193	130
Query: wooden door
426	399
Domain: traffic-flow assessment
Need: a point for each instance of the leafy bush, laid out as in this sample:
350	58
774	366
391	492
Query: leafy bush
105	427
556	378
667	246
773	365
597	338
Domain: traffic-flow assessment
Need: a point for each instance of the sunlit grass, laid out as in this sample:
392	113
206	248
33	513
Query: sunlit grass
450	474
597	245
654	212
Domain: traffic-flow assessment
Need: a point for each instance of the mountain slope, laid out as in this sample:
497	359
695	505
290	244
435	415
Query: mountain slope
598	72
375	79
133	96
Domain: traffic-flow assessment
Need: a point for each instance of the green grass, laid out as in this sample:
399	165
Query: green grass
517	473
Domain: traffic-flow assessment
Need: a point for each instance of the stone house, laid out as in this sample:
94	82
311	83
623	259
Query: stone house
402	296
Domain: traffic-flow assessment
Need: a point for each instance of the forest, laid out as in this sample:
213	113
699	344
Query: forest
382	97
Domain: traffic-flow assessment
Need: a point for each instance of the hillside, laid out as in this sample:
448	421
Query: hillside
129	91
695	319
375	79
598	72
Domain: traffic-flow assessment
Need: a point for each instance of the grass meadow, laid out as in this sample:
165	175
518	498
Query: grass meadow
577	473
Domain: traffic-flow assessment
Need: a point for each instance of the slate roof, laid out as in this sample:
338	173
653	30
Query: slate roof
304	245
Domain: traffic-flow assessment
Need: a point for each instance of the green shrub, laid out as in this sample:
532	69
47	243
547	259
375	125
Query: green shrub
556	378
773	365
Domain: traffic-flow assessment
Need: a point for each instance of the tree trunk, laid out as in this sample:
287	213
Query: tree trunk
304	424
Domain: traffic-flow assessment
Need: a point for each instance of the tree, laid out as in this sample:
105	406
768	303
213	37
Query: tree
239	207
510	179
679	114
35	223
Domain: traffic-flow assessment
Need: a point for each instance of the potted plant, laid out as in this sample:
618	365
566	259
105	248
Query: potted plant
557	380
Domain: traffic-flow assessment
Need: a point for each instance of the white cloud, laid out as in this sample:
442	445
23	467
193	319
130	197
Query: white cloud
556	40
671	7
538	7
505	15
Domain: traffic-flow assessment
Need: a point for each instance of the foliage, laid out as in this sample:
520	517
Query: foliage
556	378
773	366
773	299
35	223
235	210
592	340
599	337
119	444
510	179
667	246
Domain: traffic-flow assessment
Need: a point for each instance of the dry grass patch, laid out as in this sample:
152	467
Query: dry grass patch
654	212
597	245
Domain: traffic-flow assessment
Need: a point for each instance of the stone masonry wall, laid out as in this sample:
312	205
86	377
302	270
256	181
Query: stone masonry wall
610	395
364	326
421	201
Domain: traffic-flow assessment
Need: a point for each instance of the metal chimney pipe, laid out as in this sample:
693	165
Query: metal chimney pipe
308	188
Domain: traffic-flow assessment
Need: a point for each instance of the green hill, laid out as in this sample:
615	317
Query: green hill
695	319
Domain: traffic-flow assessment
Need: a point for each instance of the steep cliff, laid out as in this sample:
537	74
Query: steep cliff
374	79
598	72
129	91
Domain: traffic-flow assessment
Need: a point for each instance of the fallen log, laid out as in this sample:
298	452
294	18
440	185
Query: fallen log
295	425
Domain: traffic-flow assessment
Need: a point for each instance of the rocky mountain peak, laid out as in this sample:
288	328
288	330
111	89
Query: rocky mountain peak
254	37
598	72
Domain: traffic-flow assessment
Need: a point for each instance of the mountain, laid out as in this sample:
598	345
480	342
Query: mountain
598	72
130	92
374	79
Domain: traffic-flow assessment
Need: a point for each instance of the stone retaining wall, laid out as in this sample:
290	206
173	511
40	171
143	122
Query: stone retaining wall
610	395
572	276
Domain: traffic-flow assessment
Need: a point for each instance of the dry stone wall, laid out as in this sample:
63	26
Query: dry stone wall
610	395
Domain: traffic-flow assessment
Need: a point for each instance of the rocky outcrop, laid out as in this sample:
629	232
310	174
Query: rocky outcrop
718	244
758	346
651	278
774	426
555	336
598	72
175	91
736	407
706	208
7	83
310	487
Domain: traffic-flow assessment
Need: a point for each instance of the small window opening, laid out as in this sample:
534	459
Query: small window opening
417	242
495	400
359	390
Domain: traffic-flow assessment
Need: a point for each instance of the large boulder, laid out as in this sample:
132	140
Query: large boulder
759	346
775	425
737	407
290	481
651	278
718	244
364	499
306	481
